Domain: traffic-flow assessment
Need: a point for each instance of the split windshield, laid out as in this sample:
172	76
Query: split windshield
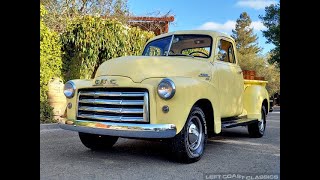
180	45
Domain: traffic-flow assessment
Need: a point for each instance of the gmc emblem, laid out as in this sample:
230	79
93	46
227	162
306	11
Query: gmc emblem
101	82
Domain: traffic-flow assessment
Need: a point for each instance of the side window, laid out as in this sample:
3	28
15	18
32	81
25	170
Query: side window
225	51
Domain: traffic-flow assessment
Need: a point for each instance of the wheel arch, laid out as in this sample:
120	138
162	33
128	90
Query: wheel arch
207	108
266	105
212	112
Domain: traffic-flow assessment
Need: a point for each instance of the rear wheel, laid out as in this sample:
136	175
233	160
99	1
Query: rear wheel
257	129
189	144
97	142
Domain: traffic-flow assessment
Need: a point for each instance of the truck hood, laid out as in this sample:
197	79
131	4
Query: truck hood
139	68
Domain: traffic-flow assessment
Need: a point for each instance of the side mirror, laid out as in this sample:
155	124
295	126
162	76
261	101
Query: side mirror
222	54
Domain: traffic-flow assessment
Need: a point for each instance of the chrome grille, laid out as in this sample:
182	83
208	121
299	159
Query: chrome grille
102	104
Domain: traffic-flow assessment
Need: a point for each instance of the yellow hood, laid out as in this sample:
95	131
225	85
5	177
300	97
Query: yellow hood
139	68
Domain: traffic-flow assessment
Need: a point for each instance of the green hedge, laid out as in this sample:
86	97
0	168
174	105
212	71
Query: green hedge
46	112
50	56
77	53
50	64
89	41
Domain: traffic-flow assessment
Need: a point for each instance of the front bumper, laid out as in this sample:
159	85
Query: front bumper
122	129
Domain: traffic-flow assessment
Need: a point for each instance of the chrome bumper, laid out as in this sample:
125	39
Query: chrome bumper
122	129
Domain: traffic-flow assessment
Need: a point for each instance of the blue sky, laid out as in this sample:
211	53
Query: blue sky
219	15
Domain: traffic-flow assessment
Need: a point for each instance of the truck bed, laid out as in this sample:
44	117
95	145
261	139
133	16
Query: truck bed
248	82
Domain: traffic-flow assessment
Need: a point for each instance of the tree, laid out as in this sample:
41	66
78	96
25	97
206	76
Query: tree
249	57
60	13
245	39
272	21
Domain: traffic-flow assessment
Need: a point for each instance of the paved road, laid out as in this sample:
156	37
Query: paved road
62	156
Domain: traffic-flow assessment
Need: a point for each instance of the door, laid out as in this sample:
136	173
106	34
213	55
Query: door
238	80
230	79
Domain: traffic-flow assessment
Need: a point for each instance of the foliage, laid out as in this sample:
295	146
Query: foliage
62	12
263	69
244	37
248	54
137	39
249	61
89	41
50	56
272	74
272	21
50	65
46	112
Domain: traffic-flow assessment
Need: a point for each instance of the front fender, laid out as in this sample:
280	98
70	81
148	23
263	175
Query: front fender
188	92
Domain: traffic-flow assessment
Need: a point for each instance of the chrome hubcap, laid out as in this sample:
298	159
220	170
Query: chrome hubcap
261	125
194	133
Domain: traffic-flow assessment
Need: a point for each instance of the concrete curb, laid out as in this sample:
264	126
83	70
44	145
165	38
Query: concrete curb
49	126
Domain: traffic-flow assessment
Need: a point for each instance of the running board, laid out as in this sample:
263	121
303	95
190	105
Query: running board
237	122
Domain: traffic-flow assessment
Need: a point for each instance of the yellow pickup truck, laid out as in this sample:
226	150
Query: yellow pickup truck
185	86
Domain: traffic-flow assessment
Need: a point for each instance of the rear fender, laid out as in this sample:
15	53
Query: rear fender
253	98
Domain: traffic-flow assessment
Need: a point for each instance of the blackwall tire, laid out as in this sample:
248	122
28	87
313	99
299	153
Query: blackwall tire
257	129
189	144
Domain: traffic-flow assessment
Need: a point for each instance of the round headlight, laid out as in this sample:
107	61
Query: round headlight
69	89
166	89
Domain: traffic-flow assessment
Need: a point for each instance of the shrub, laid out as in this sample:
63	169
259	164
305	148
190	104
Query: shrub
272	74
46	112
50	65
50	56
89	41
260	64
137	40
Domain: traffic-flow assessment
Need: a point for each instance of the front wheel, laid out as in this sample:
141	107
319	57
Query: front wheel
257	129
97	142
189	144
